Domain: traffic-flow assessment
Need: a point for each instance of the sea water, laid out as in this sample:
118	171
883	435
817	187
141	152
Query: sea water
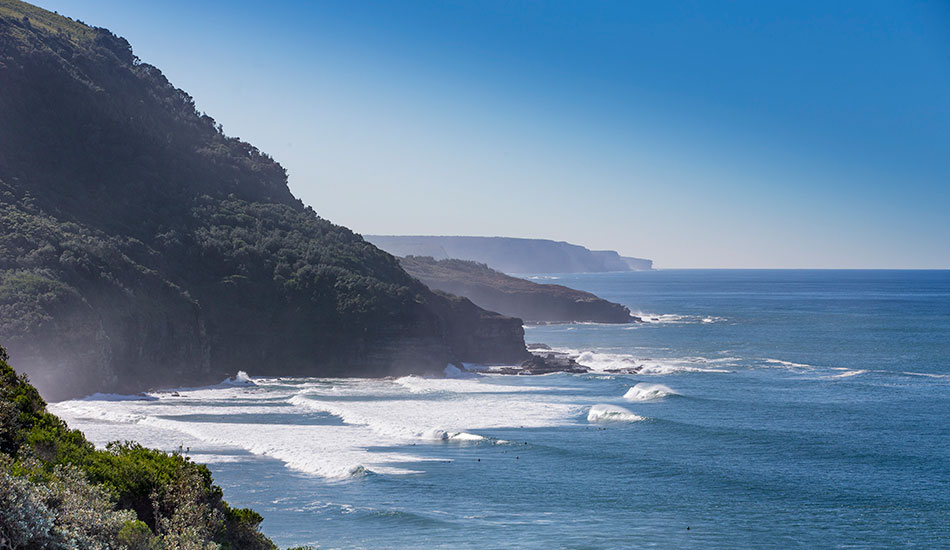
793	409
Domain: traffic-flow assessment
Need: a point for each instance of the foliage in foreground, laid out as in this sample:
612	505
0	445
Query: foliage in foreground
57	491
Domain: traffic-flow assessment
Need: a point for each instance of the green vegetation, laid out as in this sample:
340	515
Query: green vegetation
58	492
76	31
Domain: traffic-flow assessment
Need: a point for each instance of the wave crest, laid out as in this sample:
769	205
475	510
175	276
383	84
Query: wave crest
647	392
611	413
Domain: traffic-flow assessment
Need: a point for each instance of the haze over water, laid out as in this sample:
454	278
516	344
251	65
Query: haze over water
800	409
784	134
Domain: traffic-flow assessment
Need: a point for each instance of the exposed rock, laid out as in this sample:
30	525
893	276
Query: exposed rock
552	363
556	361
547	364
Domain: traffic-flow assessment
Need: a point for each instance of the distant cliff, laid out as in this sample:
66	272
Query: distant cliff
511	255
140	246
512	296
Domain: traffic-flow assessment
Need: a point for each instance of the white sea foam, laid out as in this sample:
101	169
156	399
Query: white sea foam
687	364
461	436
647	392
927	374
601	362
330	451
218	458
849	373
675	319
380	418
606	362
611	413
781	363
240	379
418	384
813	370
120	397
459	412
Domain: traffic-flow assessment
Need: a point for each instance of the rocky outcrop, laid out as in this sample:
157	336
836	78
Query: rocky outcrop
495	291
546	364
511	255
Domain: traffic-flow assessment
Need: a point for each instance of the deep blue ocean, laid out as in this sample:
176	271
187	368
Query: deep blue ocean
775	409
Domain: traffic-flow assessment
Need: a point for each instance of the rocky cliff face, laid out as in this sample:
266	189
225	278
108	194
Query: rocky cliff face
512	296
510	255
142	247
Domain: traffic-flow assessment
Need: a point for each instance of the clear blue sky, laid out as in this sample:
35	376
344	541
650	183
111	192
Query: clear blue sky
698	134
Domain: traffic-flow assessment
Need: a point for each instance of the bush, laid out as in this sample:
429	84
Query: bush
135	535
58	491
57	510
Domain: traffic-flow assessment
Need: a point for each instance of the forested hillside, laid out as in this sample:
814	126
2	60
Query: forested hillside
141	246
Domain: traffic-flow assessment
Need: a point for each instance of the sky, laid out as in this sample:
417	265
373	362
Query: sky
697	134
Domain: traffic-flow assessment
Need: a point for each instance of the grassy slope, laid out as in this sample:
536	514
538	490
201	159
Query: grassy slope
46	20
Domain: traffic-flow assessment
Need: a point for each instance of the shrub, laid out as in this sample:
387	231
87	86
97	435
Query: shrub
58	491
57	510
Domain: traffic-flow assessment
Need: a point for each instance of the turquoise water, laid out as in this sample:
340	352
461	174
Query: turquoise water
802	409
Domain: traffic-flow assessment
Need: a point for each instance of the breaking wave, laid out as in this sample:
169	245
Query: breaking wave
648	392
611	413
239	379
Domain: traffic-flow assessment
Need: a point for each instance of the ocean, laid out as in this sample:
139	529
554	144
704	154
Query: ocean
773	409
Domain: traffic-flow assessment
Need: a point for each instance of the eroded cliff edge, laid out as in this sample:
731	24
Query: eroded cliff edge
140	246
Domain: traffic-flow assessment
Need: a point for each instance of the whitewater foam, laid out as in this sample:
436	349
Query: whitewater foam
240	379
607	362
647	392
120	397
927	374
449	412
849	373
380	417
781	363
676	319
611	413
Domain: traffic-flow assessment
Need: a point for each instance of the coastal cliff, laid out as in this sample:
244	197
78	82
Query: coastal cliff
512	296
511	255
142	247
